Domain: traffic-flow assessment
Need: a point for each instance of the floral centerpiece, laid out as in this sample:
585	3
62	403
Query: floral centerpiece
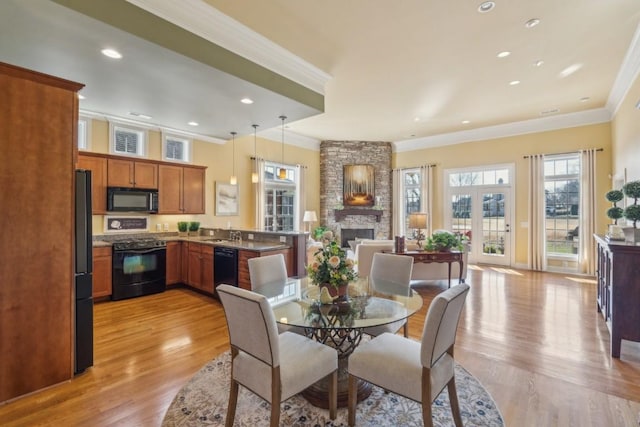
331	267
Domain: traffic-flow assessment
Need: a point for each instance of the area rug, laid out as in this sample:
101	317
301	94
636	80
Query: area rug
203	402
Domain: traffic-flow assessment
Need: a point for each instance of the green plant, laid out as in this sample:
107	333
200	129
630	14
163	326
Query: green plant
632	189
194	226
615	213
444	241
330	264
182	226
318	232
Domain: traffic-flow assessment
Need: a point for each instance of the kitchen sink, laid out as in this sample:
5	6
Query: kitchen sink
216	240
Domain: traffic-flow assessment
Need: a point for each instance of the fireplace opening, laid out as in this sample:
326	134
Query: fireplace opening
347	234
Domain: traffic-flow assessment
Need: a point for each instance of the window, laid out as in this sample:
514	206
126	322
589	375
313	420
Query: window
562	204
280	198
84	128
127	140
175	148
412	196
482	177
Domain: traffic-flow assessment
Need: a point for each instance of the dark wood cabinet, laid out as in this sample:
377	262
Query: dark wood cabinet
102	271
618	296
98	167
181	189
38	134
244	255
132	173
174	263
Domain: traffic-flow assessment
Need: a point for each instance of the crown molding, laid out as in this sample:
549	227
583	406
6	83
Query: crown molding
149	126
626	75
582	118
291	138
204	20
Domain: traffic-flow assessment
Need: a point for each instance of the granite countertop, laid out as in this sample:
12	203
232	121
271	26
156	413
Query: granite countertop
249	245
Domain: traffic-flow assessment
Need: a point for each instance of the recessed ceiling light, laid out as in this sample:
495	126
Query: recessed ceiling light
584	99
504	54
570	70
514	82
638	105
486	6
139	115
416	119
81	96
246	101
192	123
538	63
111	53
465	122
532	23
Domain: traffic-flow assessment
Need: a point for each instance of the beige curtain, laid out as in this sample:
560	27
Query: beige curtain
586	248
301	185
397	205
259	195
536	258
426	196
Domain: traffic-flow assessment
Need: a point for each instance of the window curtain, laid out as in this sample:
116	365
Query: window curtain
536	258
259	195
397	207
586	248
301	196
426	194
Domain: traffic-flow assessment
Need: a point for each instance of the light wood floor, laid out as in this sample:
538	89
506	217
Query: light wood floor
534	340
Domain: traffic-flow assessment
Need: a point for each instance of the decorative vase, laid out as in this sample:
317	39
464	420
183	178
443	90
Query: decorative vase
340	291
631	234
615	232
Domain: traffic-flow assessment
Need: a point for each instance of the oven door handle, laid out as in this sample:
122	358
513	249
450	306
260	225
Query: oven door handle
146	251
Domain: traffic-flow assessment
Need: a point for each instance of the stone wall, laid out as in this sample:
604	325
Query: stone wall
333	156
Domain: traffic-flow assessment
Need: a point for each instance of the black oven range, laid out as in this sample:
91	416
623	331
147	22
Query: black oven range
139	267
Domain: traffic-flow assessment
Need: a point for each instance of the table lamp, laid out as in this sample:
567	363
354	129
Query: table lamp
309	217
418	221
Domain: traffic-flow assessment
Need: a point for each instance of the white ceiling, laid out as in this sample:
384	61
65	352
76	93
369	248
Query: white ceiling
408	71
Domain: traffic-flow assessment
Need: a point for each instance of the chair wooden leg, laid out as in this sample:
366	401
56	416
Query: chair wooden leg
275	413
233	400
276	396
426	397
353	396
333	395
453	399
406	329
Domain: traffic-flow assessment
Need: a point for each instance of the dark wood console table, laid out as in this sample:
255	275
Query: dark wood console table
618	272
440	257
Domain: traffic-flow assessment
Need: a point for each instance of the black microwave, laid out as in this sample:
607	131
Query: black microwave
121	199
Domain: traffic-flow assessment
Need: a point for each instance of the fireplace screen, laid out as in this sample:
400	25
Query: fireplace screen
358	185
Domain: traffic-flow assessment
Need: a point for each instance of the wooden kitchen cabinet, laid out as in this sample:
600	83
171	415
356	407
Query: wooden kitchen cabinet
244	280
174	263
201	267
181	189
98	167
184	258
102	268
132	173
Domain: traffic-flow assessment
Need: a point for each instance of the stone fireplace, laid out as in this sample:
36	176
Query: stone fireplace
347	234
334	155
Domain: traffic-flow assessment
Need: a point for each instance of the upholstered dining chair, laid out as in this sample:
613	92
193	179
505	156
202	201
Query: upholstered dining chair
390	274
273	366
416	370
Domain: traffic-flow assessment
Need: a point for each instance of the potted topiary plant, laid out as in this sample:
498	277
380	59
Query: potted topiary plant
443	241
183	226
615	213
194	226
632	212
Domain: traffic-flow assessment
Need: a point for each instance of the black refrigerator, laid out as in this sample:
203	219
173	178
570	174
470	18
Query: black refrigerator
83	355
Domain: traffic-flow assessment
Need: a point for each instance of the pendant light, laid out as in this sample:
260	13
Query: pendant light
254	175
282	173
234	180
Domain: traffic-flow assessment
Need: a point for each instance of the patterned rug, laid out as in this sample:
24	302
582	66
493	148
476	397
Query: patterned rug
203	402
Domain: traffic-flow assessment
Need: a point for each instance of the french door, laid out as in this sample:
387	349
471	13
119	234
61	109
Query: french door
482	211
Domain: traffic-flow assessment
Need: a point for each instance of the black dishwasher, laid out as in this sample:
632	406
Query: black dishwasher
225	266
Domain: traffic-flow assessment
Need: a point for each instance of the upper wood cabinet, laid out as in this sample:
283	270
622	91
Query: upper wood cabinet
181	189
132	173
98	168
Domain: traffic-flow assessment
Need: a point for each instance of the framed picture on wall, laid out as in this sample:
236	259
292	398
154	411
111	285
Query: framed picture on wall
226	199
358	188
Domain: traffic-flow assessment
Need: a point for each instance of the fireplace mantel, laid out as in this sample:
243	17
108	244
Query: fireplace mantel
341	213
